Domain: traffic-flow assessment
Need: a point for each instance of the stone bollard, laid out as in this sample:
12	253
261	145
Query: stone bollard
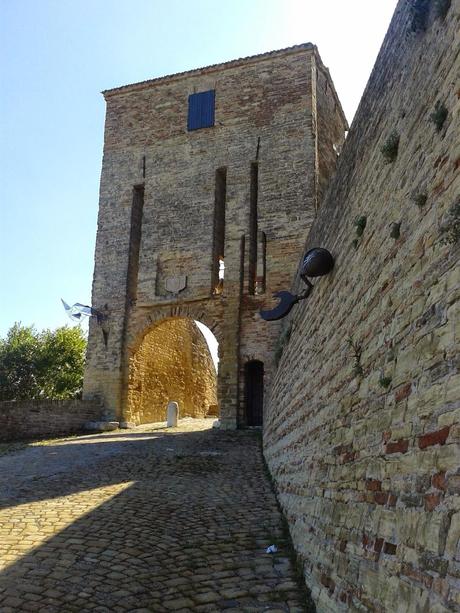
173	414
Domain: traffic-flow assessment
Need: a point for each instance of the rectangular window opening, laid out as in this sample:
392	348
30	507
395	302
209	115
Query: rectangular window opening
135	241
201	110
218	266
253	198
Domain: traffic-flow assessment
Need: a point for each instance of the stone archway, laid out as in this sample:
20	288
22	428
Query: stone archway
171	361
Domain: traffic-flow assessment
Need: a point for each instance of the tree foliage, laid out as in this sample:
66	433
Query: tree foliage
38	365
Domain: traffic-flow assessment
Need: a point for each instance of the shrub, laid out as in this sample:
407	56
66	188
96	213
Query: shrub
390	147
35	365
439	115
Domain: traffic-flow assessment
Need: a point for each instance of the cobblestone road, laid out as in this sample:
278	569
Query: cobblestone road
143	520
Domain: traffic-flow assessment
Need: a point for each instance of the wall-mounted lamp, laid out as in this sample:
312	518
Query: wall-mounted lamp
317	262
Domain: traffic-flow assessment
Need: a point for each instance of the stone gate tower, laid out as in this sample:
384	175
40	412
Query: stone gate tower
219	168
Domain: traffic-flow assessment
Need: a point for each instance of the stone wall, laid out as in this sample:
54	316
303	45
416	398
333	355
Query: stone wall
263	117
172	363
29	419
362	431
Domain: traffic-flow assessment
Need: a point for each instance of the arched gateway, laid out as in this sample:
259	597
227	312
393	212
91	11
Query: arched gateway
210	181
171	362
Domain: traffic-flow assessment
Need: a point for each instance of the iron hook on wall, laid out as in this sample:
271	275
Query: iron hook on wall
317	262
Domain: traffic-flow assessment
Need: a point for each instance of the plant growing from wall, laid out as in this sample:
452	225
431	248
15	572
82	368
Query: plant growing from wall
439	115
356	350
395	231
451	228
385	382
420	200
390	147
360	224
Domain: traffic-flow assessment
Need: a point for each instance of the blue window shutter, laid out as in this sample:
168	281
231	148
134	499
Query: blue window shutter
201	110
193	112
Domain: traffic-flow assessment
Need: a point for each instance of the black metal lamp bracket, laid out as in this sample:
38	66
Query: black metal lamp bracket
306	292
316	263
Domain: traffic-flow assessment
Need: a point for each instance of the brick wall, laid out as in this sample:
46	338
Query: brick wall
28	419
362	430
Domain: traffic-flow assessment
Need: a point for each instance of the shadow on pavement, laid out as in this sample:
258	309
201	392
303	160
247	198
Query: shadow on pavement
181	523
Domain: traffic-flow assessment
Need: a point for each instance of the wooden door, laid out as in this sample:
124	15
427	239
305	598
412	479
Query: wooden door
254	384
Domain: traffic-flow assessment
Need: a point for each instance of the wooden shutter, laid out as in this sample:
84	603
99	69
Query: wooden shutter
201	110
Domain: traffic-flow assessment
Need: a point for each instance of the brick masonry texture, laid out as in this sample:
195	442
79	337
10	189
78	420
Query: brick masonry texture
269	110
37	418
362	429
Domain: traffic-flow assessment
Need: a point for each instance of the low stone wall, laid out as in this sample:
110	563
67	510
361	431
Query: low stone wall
30	419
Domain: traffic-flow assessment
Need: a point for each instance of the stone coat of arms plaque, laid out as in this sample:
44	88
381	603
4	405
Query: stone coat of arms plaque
176	284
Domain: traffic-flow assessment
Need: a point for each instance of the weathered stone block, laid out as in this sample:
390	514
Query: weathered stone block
437	437
453	538
432	501
400	446
126	425
439	480
449	418
101	426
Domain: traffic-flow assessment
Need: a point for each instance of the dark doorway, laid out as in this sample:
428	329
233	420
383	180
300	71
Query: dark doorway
254	385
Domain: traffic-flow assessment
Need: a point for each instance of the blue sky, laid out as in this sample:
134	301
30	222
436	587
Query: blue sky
55	58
